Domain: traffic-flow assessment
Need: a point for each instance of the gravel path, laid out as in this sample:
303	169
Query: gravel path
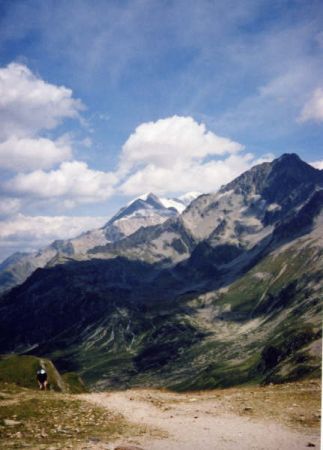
190	423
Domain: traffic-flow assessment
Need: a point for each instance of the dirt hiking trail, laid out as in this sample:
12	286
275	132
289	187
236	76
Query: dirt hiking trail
250	419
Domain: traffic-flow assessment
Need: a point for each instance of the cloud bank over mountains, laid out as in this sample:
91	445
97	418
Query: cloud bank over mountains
169	156
28	233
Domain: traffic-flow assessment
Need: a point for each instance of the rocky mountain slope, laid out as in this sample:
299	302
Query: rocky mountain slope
144	211
242	216
226	293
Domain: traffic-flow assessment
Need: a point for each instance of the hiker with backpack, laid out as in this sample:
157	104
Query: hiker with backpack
42	379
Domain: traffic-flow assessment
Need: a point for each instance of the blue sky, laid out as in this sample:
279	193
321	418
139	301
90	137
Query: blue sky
103	100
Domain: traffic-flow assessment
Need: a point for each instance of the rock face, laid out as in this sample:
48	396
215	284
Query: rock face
225	293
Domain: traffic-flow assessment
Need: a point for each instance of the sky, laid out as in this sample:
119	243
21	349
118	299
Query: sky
103	100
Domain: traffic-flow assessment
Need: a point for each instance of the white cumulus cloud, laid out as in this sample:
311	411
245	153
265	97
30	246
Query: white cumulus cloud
73	182
176	155
313	108
24	154
28	104
171	141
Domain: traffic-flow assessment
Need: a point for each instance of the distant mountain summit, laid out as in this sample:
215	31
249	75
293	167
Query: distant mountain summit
275	180
144	211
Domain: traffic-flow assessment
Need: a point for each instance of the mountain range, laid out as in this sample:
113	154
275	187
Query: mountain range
142	212
226	291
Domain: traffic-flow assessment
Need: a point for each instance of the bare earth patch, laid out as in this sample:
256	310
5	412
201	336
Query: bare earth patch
274	417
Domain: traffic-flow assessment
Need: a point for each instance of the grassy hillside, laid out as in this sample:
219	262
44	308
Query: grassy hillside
265	327
21	371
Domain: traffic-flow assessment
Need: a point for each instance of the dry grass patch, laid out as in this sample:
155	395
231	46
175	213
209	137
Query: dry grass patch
47	419
297	405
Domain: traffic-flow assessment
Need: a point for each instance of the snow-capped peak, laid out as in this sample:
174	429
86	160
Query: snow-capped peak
173	203
187	198
179	203
143	197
